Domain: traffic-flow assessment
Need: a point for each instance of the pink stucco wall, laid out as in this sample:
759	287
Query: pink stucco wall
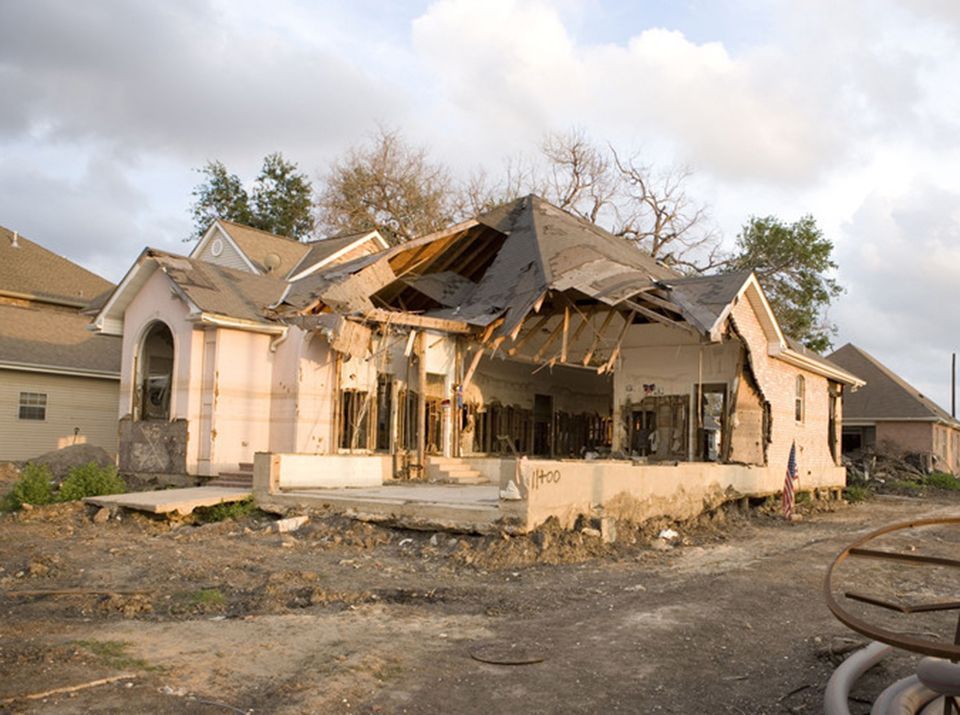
156	301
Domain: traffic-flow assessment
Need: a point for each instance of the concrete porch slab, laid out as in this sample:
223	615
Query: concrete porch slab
165	501
468	508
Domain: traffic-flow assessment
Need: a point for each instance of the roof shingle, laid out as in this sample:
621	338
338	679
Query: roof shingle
43	337
30	269
886	396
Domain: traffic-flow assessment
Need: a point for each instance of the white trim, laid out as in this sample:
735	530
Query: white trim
870	421
55	370
208	236
99	323
815	366
224	321
334	256
767	311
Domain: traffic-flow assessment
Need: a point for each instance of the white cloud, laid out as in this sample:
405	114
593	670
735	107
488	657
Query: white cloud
900	259
514	64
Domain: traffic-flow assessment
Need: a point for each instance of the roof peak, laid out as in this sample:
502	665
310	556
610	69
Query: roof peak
258	230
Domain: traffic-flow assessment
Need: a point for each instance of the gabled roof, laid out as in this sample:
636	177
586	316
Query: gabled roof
326	250
209	290
28	270
256	245
886	396
47	340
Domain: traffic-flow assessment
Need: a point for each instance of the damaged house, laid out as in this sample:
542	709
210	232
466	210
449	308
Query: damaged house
525	348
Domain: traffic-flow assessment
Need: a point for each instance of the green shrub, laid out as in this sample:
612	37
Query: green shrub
32	488
208	598
222	512
942	480
91	480
856	493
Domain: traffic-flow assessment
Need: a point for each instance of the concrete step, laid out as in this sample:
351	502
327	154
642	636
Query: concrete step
246	467
236	475
454	472
229	484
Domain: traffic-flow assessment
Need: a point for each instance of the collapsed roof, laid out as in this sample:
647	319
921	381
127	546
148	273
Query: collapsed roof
486	277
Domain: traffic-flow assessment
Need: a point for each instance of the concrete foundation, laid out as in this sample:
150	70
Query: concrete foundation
564	489
281	472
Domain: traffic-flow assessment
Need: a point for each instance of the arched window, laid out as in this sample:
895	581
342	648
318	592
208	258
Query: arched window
798	404
155	373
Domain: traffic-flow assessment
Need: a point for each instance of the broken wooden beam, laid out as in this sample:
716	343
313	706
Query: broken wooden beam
654	315
596	338
418	321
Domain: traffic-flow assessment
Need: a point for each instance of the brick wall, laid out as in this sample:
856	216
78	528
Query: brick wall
778	381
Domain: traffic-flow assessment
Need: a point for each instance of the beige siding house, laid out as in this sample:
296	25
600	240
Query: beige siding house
58	380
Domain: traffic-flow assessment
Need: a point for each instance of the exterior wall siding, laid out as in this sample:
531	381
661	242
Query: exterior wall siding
229	257
72	402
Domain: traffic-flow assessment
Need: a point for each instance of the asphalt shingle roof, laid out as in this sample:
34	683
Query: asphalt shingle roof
257	245
55	338
324	248
221	290
31	269
886	395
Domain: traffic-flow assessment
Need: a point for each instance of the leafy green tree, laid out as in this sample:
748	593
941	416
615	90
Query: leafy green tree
280	201
793	264
220	195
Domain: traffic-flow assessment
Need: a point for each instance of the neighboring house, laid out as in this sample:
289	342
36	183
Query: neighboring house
525	331
59	382
890	415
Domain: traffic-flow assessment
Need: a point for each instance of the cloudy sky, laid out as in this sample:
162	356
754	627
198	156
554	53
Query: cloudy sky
847	110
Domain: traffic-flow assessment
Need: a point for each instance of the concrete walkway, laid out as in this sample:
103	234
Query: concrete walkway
165	501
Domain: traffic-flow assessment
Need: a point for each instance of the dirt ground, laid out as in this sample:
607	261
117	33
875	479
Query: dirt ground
346	617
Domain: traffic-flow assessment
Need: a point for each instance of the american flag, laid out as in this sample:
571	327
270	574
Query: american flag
788	482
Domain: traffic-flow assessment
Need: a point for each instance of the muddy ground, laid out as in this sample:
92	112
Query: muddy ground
349	617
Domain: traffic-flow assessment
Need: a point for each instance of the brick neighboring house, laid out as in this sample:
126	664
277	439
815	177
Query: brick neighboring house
889	414
59	382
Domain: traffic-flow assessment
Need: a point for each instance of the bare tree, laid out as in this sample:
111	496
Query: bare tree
392	186
651	209
389	185
654	211
580	178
